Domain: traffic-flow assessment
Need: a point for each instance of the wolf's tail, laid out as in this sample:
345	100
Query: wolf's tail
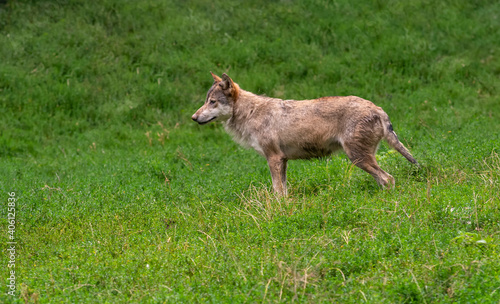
393	141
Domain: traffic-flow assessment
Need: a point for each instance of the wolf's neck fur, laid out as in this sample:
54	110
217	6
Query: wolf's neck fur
239	124
245	105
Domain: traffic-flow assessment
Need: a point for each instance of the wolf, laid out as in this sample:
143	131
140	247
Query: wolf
282	130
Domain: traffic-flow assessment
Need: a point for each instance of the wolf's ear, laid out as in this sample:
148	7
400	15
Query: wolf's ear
230	88
215	77
227	83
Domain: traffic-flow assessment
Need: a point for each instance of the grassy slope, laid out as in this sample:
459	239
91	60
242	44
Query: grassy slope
112	177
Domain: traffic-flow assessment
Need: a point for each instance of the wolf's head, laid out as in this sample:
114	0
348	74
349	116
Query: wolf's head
219	102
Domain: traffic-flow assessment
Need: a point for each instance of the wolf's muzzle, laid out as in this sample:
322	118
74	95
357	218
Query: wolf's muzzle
195	118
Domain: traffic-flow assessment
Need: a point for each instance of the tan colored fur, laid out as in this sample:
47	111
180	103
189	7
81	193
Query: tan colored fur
281	130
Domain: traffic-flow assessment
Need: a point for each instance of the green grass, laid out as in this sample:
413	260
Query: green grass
121	198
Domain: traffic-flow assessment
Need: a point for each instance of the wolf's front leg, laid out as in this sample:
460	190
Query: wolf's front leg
277	166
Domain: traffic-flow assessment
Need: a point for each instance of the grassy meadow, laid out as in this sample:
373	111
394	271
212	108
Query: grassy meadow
121	198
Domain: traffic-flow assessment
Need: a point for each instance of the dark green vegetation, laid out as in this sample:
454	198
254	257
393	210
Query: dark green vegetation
121	198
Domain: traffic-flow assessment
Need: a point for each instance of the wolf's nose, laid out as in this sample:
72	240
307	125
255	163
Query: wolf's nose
194	117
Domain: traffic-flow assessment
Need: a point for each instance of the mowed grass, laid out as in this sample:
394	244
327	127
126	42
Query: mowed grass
121	198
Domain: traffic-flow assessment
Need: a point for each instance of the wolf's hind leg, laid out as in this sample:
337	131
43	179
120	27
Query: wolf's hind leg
366	161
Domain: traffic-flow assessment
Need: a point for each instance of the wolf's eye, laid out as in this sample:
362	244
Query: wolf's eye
212	101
